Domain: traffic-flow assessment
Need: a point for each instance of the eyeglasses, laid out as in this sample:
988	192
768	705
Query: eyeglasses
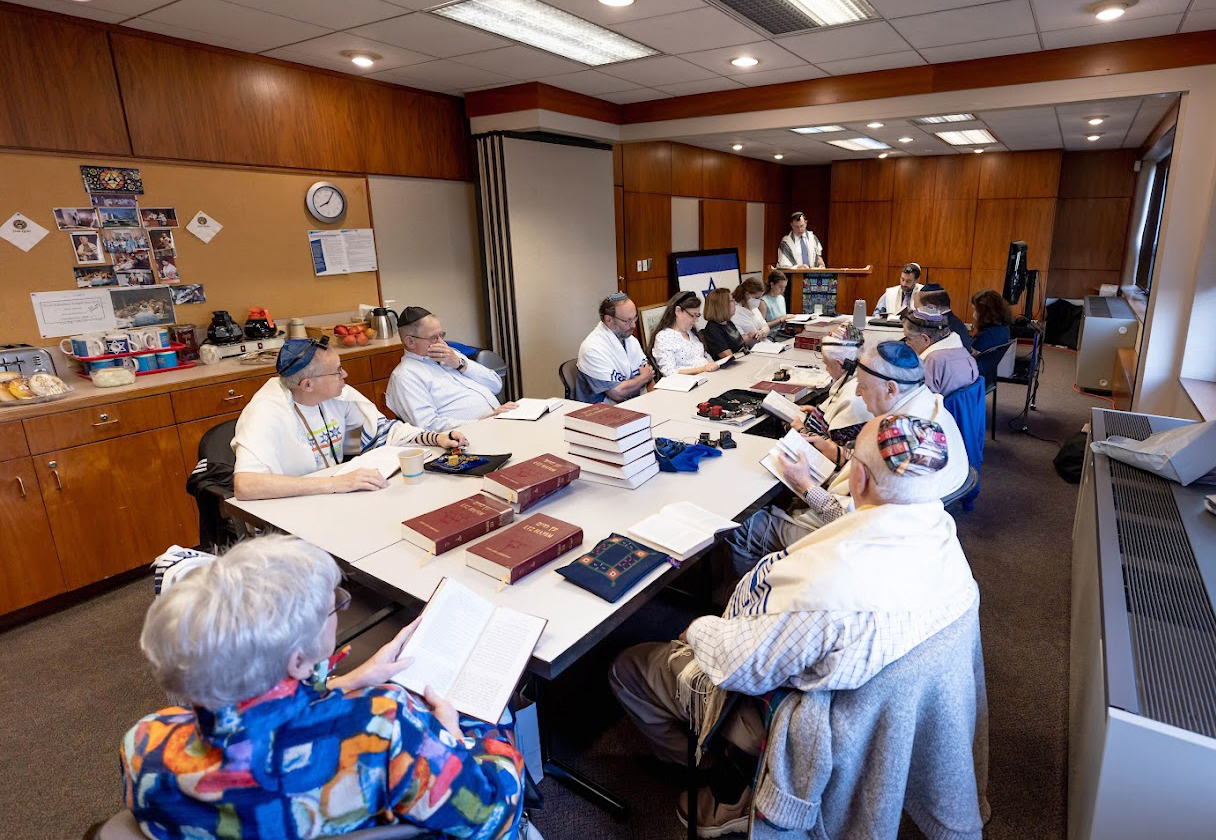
439	337
341	600
341	371
632	320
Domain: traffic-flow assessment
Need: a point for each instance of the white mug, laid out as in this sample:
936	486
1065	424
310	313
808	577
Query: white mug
411	465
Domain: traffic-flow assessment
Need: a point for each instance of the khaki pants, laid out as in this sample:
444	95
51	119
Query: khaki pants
644	683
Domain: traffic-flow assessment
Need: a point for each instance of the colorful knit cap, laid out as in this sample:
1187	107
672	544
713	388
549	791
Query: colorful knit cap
912	446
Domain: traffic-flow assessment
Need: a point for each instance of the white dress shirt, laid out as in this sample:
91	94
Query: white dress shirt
436	397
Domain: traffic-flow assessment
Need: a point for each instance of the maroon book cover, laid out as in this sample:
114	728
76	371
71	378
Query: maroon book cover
607	421
786	388
452	525
524	547
527	482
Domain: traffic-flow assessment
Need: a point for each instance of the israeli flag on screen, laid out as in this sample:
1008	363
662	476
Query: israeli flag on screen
703	274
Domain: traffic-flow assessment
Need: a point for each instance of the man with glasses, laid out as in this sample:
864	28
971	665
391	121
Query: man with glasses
611	365
435	386
307	419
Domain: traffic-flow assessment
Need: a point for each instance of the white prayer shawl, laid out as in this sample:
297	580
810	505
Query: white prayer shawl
272	432
844	407
789	252
950	341
603	359
892	300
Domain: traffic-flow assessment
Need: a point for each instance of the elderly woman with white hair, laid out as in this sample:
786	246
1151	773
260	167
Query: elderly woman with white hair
272	745
843	412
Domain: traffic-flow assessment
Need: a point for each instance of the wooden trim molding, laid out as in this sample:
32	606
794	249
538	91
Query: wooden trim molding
529	96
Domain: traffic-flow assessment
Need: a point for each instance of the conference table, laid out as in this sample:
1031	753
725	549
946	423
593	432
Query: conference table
363	530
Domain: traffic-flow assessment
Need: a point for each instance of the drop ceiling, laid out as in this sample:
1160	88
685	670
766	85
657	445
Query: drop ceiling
697	39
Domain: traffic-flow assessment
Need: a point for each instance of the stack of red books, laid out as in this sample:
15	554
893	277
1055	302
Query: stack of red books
611	445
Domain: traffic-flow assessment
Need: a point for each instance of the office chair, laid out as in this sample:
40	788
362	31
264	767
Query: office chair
988	362
210	483
567	372
495	363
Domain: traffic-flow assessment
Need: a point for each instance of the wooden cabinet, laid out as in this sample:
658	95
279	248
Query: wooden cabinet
117	504
103	422
12	441
359	370
379	394
211	400
29	566
189	434
383	363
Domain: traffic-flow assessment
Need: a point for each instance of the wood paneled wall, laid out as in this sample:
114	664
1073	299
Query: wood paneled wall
80	86
953	214
1092	221
810	190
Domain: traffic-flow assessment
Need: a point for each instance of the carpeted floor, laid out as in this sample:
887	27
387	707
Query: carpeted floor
76	680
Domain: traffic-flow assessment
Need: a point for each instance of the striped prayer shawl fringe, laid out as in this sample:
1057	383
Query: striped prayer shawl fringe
697	695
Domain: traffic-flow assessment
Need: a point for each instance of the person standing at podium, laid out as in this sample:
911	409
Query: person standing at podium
800	248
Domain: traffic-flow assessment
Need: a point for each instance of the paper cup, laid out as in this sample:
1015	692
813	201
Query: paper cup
411	465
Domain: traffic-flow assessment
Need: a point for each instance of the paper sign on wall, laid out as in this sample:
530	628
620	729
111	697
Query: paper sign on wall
79	311
204	227
342	251
22	231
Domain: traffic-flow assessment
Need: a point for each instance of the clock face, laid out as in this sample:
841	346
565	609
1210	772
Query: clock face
326	202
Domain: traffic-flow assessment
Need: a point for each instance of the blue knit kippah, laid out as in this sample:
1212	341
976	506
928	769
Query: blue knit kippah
898	354
295	354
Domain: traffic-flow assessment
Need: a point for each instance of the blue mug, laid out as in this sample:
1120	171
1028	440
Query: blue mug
162	337
104	363
166	359
145	363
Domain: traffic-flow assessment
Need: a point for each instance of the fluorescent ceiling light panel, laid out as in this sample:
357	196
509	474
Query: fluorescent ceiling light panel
545	27
835	12
945	118
859	144
971	137
817	129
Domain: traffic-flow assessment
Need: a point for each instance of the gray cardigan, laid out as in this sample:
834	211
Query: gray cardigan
844	764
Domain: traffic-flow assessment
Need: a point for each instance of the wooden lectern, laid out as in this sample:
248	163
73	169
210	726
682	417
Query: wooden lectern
835	288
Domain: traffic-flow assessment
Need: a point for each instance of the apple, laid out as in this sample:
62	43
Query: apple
341	330
361	338
349	340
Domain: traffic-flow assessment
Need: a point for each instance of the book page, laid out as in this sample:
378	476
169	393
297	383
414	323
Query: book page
445	638
382	458
669	535
778	405
767	347
698	517
679	382
529	408
498	659
793	443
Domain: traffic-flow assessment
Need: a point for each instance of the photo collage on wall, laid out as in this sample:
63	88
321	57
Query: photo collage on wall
116	242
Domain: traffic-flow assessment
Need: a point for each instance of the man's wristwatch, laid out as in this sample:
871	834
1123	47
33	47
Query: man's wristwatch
464	363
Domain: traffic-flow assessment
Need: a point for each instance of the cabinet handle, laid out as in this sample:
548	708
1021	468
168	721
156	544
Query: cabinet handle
21	485
53	466
233	395
105	421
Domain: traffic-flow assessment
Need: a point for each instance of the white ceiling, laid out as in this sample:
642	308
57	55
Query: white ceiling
697	38
1126	124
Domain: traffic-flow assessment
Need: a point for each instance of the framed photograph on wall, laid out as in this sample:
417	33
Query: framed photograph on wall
648	319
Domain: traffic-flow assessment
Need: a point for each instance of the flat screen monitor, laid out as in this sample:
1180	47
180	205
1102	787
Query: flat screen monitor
704	271
1015	271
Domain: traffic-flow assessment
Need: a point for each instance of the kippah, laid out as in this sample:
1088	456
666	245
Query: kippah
927	316
413	313
910	266
932	287
912	446
846	335
898	354
296	353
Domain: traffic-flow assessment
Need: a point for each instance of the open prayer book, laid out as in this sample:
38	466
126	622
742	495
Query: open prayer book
769	348
781	407
382	458
469	651
681	529
791	445
680	381
530	409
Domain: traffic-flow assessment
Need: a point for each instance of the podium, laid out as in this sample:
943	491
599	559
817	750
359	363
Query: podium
825	286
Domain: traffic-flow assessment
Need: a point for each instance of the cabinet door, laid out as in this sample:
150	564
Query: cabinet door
29	567
191	433
116	505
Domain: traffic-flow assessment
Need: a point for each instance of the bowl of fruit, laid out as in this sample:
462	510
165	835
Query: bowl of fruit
352	335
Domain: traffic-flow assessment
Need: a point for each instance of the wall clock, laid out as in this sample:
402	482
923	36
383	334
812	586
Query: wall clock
326	202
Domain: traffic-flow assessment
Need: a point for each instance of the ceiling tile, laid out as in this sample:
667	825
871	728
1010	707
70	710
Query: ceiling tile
597	12
521	62
975	23
325	12
624	97
874	62
700	86
326	52
396	77
891	9
145	25
843	42
93	11
432	35
1197	21
228	20
1122	30
450	75
590	82
688	31
774	77
982	49
770	56
1053	14
415	4
658	70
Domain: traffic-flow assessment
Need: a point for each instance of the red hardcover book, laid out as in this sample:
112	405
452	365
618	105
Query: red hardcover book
452	525
526	483
524	547
607	421
785	389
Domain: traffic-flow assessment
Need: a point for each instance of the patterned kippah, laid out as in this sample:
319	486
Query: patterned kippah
927	316
413	313
846	335
912	446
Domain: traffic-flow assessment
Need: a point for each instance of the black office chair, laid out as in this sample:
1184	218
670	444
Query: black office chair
210	483
567	372
988	362
973	481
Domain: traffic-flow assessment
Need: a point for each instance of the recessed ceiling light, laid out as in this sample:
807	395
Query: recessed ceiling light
1091	138
1096	120
859	144
905	139
874	125
737	146
744	61
778	157
362	58
817	129
978	151
835	12
945	118
617	2
883	155
969	137
545	27
1107	11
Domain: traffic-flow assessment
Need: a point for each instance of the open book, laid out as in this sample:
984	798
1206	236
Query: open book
769	348
790	446
382	458
528	408
681	529
680	381
469	651
781	407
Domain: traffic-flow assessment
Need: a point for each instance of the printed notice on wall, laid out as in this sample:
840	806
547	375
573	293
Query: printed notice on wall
78	311
342	251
